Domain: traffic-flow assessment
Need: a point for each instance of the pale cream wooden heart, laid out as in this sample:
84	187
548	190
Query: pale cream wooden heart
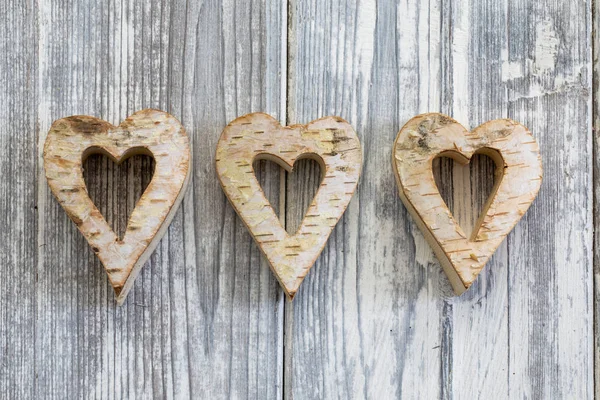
332	142
519	176
151	132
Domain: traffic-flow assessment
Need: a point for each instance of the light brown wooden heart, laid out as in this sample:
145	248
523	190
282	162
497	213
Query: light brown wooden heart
519	176
332	142
151	132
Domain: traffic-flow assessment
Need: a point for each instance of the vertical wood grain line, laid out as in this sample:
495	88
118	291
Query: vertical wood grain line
596	192
18	166
43	15
288	115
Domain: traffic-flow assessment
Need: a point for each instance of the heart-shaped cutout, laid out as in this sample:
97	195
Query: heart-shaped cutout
518	164
106	181
155	133
301	186
332	142
465	188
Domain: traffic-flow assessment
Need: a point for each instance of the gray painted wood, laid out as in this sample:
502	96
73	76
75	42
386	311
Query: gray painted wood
375	317
18	215
596	170
204	319
552	318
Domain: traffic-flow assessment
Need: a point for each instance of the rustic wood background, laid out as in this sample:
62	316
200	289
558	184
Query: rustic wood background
375	317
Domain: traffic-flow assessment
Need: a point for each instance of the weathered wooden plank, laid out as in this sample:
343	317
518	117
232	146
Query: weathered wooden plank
204	318
240	301
351	322
596	177
475	360
359	313
374	316
550	259
18	216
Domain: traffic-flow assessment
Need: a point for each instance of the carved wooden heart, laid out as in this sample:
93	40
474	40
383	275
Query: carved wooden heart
151	132
332	142
519	169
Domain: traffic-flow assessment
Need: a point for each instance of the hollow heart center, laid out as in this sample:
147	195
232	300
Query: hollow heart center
466	188
116	188
300	188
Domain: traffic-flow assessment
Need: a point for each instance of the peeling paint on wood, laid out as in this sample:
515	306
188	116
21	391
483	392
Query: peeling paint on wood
381	318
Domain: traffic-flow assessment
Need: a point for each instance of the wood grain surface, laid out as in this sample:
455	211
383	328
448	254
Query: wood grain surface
205	301
375	317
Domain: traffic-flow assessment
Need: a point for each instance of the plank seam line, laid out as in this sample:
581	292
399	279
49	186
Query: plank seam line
595	221
285	64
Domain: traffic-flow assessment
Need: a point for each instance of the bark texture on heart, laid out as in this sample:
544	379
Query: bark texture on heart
519	176
155	133
330	141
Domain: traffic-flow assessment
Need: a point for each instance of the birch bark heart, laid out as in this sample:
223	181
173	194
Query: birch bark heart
151	132
519	176
332	142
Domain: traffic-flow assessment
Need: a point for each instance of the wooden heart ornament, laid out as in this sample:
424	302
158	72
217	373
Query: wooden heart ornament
330	141
151	132
519	176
